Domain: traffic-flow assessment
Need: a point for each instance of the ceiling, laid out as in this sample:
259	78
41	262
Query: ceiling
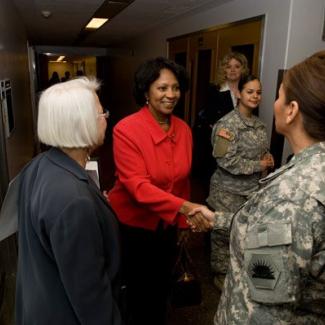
68	18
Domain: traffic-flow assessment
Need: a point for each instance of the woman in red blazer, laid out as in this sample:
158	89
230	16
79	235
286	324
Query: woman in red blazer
153	154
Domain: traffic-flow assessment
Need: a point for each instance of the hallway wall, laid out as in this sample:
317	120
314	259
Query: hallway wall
14	66
307	19
19	147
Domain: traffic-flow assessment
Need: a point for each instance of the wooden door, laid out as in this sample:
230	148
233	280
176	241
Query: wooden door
179	52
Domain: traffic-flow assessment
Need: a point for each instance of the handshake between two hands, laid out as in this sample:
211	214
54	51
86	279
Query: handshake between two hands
199	217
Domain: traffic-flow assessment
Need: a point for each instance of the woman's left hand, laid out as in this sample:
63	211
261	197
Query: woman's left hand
269	160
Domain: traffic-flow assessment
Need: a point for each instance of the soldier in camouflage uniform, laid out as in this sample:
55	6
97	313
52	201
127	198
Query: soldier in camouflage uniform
277	244
239	143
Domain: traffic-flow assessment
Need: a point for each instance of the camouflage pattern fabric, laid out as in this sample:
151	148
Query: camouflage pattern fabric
277	248
228	202
238	146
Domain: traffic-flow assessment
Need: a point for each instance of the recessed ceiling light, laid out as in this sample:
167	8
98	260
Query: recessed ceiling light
96	23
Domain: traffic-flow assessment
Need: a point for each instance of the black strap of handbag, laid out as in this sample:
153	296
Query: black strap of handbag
184	261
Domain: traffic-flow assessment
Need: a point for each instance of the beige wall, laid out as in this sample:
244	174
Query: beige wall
90	66
14	66
60	68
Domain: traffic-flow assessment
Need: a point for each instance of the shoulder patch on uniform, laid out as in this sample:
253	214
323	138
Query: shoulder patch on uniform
221	142
225	133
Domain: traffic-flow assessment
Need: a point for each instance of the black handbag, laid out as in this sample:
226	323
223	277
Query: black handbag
186	289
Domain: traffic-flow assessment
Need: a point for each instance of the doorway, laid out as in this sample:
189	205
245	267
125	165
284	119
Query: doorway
201	52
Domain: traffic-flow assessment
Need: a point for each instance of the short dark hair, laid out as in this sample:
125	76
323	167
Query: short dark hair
305	84
245	79
149	71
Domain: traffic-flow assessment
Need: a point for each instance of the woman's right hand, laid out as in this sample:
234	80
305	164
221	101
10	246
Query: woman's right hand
206	213
196	221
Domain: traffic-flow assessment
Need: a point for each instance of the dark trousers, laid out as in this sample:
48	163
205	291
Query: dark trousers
148	258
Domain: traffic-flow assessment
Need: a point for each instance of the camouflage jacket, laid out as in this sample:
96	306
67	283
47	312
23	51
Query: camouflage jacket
277	248
238	146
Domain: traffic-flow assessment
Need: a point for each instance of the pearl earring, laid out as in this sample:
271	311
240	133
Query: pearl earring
147	101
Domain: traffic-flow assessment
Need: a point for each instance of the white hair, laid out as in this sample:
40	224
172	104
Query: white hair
67	114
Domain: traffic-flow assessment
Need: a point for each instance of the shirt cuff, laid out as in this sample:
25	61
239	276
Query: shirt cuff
222	220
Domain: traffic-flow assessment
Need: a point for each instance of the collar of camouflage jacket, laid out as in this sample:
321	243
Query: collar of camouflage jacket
318	148
253	122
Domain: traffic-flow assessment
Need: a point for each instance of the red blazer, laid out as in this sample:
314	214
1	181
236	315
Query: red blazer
152	169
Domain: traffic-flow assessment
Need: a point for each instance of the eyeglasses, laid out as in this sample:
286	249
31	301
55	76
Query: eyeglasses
105	114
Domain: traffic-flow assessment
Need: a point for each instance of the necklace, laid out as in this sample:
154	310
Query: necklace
164	122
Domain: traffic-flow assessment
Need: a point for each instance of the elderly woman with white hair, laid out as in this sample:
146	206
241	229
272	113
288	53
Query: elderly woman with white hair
69	252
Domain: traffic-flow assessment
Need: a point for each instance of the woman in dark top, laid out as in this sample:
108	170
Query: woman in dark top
221	99
69	251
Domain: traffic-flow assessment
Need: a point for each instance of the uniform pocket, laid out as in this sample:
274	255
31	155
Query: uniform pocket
267	263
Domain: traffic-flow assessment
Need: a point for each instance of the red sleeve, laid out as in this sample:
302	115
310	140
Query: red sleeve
132	173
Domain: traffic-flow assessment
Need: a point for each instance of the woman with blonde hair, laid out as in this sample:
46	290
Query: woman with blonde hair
232	67
223	93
